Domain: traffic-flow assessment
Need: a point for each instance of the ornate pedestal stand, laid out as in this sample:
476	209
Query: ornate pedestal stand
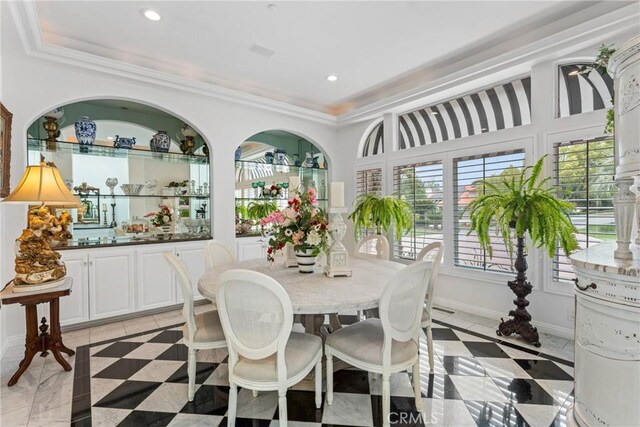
338	257
521	322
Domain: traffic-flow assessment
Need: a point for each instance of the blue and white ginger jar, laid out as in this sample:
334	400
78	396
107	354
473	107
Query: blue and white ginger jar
122	142
85	131
160	142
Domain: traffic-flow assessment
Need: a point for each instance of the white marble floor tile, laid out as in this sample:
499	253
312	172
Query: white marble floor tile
106	332
196	420
450	348
133	326
400	384
98	348
148	351
514	353
55	417
348	409
157	370
14	417
560	390
538	415
212	356
169	320
55	389
261	407
478	388
468	337
446	413
97	364
100	387
477	320
107	417
169	397
502	367
455	321
276	423
220	376
141	338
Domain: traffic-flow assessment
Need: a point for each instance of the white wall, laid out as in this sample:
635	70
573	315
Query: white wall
486	293
33	86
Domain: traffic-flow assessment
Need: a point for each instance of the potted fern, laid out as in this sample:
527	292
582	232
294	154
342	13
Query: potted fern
520	206
380	213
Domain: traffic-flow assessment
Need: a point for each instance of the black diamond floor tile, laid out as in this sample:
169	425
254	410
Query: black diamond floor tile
462	365
522	390
348	381
203	371
167	337
495	414
118	349
485	349
128	395
443	334
543	370
175	352
147	419
301	406
402	411
122	369
439	386
246	422
208	400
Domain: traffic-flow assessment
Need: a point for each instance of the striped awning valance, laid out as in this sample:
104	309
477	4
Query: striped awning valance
374	144
501	107
579	93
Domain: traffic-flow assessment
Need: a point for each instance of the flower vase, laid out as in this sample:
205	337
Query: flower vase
306	261
85	132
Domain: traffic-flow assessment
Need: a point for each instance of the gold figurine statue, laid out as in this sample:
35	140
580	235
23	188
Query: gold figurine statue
36	262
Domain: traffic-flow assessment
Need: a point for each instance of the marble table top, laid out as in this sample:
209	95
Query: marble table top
600	258
316	293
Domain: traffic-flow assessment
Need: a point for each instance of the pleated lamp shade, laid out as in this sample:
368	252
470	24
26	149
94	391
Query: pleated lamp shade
42	184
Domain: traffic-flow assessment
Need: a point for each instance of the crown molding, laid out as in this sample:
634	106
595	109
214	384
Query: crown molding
27	23
502	66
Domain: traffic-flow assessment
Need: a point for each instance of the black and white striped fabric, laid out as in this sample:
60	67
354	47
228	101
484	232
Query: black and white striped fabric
579	94
374	144
501	107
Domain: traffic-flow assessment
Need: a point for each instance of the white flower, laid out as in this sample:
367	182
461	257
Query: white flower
288	232
313	238
165	218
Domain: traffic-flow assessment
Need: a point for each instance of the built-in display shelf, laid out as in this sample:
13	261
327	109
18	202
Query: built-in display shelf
98	242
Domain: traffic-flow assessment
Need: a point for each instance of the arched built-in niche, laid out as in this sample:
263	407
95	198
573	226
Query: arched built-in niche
153	170
272	158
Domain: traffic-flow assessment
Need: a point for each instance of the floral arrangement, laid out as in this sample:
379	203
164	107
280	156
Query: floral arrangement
274	191
162	217
302	223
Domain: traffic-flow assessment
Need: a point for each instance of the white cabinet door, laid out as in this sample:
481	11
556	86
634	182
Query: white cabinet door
192	256
74	308
111	275
251	248
155	278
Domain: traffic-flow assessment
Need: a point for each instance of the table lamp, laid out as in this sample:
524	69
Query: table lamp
37	265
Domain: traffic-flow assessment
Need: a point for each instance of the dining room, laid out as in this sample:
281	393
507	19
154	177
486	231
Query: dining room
319	213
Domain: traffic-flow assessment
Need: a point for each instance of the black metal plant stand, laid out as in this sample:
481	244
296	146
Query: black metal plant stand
521	322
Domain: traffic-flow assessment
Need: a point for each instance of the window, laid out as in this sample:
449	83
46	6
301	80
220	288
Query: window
584	173
420	184
468	171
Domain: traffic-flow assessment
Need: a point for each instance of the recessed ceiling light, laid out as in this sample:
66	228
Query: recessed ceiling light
332	77
272	6
151	14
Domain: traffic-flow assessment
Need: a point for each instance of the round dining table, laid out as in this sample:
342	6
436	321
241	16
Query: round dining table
315	295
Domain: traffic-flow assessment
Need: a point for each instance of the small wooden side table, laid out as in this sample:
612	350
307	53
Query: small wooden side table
45	340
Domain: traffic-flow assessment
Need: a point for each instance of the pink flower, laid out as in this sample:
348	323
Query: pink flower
313	199
297	237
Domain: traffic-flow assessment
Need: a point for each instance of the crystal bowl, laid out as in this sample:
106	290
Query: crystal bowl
132	189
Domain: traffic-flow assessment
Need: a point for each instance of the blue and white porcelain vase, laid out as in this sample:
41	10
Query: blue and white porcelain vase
123	142
268	157
160	142
238	153
281	155
85	131
296	159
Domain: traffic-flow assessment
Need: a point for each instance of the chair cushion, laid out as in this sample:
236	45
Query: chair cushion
300	351
363	341
209	328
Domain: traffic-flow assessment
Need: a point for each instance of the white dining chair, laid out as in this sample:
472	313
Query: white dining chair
389	344
375	246
264	354
217	253
201	331
433	252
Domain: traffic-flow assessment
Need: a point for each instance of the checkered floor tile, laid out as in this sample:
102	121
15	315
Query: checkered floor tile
141	380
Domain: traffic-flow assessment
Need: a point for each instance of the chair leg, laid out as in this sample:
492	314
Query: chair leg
416	385
282	405
233	404
386	400
430	347
329	376
191	372
255	393
319	383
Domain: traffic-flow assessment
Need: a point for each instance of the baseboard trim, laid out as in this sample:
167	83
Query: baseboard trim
548	328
